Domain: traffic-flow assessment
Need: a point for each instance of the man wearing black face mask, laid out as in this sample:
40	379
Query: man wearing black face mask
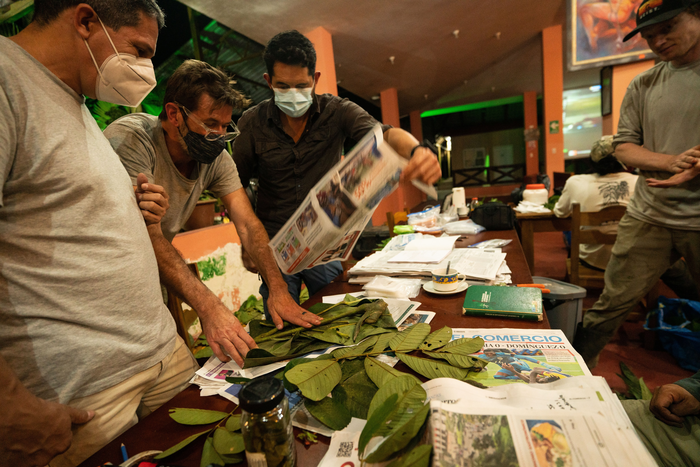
184	151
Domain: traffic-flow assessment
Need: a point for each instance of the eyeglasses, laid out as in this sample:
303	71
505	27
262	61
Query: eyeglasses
212	135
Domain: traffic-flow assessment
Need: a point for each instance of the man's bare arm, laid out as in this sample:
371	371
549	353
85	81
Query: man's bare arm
32	431
224	332
255	241
636	156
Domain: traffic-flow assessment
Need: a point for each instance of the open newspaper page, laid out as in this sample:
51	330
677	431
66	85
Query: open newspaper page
571	422
527	356
329	222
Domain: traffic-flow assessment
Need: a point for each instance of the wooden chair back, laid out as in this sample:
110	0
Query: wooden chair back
183	320
396	218
578	274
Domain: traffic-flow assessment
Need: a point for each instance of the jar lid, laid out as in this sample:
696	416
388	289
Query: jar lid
535	186
261	395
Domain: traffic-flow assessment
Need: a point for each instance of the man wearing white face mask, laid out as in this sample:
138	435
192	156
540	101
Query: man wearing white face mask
86	343
291	141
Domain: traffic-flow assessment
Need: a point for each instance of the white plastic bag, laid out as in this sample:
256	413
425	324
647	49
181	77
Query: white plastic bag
390	287
466	227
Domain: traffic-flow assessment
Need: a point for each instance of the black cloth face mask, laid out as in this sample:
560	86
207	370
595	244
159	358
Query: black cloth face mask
201	149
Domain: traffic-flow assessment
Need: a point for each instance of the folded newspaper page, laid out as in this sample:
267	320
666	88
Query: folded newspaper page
329	221
572	422
528	356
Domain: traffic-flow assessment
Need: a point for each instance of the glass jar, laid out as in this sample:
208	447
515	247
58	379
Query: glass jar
474	204
266	424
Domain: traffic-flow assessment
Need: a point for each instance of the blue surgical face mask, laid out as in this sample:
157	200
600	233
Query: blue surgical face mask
295	101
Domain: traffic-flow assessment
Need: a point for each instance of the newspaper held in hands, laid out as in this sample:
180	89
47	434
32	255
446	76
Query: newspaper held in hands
329	221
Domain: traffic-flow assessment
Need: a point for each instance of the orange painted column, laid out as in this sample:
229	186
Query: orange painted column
416	125
389	99
532	157
553	84
622	76
325	61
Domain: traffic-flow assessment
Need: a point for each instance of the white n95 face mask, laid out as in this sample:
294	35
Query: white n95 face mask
294	102
123	79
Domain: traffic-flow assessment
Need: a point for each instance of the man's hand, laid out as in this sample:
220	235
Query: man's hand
283	307
34	431
152	199
424	166
226	335
677	179
684	161
671	402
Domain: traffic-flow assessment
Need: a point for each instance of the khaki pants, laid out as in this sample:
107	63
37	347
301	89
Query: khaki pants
670	446
119	408
641	254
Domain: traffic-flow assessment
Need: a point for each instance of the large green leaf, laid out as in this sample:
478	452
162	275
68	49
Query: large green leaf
180	445
646	392
196	416
383	341
437	339
460	361
234	423
228	443
371	330
356	350
279	348
355	397
380	372
315	379
465	346
410	339
376	420
399	437
411	396
432	369
352	367
417	457
209	455
333	334
329	412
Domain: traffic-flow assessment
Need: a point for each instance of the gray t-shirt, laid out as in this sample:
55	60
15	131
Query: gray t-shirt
660	112
140	142
80	304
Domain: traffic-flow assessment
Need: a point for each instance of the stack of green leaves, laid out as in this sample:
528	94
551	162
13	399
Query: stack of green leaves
224	442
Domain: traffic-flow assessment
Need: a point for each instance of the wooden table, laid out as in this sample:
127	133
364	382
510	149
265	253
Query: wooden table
158	431
530	223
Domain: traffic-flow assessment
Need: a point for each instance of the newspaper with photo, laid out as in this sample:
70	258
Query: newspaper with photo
571	422
329	221
535	356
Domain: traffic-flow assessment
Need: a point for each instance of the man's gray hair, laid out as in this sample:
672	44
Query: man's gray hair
113	13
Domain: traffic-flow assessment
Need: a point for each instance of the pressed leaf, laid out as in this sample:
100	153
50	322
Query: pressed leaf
196	416
329	412
465	346
352	367
411	396
292	363
399	437
432	369
209	455
383	341
180	445
460	361
315	379
355	350
279	347
233	423
380	372
237	380
437	339
410	339
228	443
417	457
361	378
376	420
355	397
371	330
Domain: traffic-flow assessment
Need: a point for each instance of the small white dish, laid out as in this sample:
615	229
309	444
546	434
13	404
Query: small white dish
428	287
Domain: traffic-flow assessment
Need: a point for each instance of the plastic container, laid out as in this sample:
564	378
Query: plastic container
266	424
536	193
563	305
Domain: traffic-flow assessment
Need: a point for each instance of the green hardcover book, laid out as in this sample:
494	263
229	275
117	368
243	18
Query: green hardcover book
503	302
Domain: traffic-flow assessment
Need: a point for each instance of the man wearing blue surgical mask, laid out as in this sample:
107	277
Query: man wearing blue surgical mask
86	344
292	140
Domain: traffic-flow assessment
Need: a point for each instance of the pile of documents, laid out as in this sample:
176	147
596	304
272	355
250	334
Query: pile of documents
480	265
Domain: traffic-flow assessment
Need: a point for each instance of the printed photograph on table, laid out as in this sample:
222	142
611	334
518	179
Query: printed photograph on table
471	440
335	202
549	443
596	29
509	365
307	219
